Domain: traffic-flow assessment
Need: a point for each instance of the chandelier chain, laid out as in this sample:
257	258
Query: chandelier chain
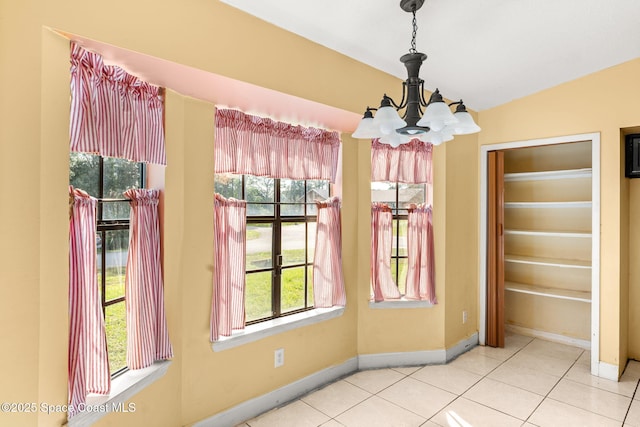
414	33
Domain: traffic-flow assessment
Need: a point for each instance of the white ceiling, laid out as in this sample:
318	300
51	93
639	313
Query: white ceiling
487	52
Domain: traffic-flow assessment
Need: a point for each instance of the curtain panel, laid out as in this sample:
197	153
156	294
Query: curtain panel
88	361
409	163
246	144
382	282
420	251
229	282
328	280
114	113
147	333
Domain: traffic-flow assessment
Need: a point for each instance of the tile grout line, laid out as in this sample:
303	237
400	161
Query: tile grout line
631	403
481	378
546	396
586	385
371	395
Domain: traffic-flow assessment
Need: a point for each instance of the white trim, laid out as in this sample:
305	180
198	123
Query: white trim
549	336
261	404
262	330
547	175
534	233
123	388
462	347
416	358
410	358
595	229
608	371
256	406
595	255
547	205
551	262
400	303
567	294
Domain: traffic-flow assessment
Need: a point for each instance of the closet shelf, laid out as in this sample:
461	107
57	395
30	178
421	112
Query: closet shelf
548	205
552	262
548	233
545	175
548	292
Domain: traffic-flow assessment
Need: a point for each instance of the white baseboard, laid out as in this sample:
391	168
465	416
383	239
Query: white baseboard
549	336
413	358
256	406
462	347
608	371
416	358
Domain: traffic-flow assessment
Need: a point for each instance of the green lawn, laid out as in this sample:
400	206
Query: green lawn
115	321
257	305
258	297
258	294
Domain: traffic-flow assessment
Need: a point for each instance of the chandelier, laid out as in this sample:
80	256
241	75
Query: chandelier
436	125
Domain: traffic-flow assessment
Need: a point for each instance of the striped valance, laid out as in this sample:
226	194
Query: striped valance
246	144
114	113
409	163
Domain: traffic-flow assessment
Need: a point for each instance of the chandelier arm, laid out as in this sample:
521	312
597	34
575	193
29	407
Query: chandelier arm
403	102
423	101
397	106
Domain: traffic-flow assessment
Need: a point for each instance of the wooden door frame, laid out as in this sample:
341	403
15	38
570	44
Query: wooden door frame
494	329
595	230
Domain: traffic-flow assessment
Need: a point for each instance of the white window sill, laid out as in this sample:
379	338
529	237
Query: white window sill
400	303
123	388
272	327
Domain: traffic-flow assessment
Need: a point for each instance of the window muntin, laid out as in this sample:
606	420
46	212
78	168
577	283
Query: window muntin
281	231
399	196
107	179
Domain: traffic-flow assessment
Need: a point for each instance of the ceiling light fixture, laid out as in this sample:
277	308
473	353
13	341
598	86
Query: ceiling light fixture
437	125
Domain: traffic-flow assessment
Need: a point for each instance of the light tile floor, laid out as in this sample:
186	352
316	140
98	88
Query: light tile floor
530	382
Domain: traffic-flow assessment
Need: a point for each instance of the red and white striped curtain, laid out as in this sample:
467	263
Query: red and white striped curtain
88	361
227	306
147	333
328	281
114	113
420	251
409	163
246	144
381	240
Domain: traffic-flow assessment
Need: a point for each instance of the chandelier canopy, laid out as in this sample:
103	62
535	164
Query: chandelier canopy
436	124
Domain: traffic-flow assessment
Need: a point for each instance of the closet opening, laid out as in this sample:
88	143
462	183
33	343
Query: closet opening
540	241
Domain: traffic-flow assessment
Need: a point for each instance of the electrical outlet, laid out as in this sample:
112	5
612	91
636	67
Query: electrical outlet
465	316
278	357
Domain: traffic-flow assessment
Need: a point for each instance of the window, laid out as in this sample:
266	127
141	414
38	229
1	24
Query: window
281	231
398	196
106	179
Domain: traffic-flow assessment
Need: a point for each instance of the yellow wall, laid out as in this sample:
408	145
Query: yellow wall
634	269
33	210
603	102
200	383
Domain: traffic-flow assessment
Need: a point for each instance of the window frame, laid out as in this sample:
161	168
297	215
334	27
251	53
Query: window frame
103	226
276	220
397	218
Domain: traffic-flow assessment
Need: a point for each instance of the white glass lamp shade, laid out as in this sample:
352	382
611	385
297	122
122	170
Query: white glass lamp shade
395	139
436	116
388	120
466	125
436	138
366	129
